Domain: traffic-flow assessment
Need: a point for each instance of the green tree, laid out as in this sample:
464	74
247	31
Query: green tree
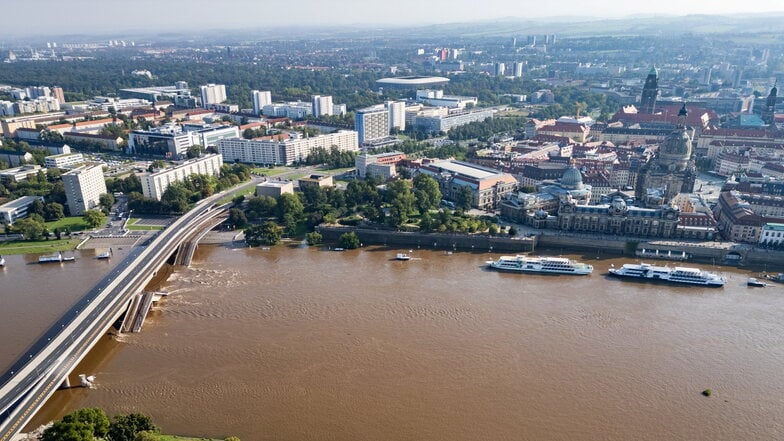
156	165
237	218
232	438
176	197
401	202
194	151
53	211
37	207
349	240
314	238
125	427
94	417
266	234
289	205
30	229
94	218
71	431
261	206
464	199
427	192
146	436
106	200
512	231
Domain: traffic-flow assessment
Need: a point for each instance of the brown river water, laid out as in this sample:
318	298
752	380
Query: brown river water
303	344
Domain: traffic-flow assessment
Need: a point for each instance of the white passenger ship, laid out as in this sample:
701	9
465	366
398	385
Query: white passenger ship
552	265
681	275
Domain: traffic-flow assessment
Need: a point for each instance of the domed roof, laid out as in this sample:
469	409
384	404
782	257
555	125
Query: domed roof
572	179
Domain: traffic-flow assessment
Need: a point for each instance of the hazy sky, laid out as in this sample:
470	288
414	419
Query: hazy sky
27	17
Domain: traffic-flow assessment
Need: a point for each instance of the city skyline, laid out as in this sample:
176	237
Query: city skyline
147	15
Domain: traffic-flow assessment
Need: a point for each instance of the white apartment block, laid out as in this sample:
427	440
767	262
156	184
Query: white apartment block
65	160
212	94
322	105
372	123
260	99
155	184
285	152
83	186
397	114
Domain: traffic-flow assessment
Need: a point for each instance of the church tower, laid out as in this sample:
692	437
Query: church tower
649	92
768	115
673	169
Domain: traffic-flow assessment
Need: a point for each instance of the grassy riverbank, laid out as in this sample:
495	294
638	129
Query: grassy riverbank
38	247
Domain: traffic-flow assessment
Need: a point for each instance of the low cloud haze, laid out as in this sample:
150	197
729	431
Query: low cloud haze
48	17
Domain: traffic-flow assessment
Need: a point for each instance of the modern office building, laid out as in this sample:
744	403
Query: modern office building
168	141
19	174
260	99
286	152
322	105
212	94
155	184
65	160
83	186
293	110
158	93
371	123
11	212
443	123
207	135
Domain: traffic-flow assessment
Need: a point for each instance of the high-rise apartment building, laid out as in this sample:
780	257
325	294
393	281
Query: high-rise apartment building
518	69
322	105
212	94
499	69
57	93
83	187
371	123
260	99
397	114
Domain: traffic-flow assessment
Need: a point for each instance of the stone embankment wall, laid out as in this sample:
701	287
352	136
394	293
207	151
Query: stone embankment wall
438	241
713	252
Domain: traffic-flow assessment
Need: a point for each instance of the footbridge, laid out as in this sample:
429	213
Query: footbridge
47	364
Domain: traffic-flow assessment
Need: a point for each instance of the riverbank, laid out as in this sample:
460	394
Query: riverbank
717	253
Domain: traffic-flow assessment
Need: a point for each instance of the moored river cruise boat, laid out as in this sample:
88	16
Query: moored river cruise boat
543	265
678	274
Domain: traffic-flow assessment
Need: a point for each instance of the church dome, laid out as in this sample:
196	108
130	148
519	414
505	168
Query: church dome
675	152
572	179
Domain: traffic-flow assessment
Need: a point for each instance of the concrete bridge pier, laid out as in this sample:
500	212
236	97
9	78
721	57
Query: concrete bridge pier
66	384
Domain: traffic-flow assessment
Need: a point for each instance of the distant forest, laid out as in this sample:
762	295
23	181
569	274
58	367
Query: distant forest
356	88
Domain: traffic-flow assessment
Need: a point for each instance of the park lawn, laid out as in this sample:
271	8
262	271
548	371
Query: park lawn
336	171
75	223
230	197
37	247
130	226
270	171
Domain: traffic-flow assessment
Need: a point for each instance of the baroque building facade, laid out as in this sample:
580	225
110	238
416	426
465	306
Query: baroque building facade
673	169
